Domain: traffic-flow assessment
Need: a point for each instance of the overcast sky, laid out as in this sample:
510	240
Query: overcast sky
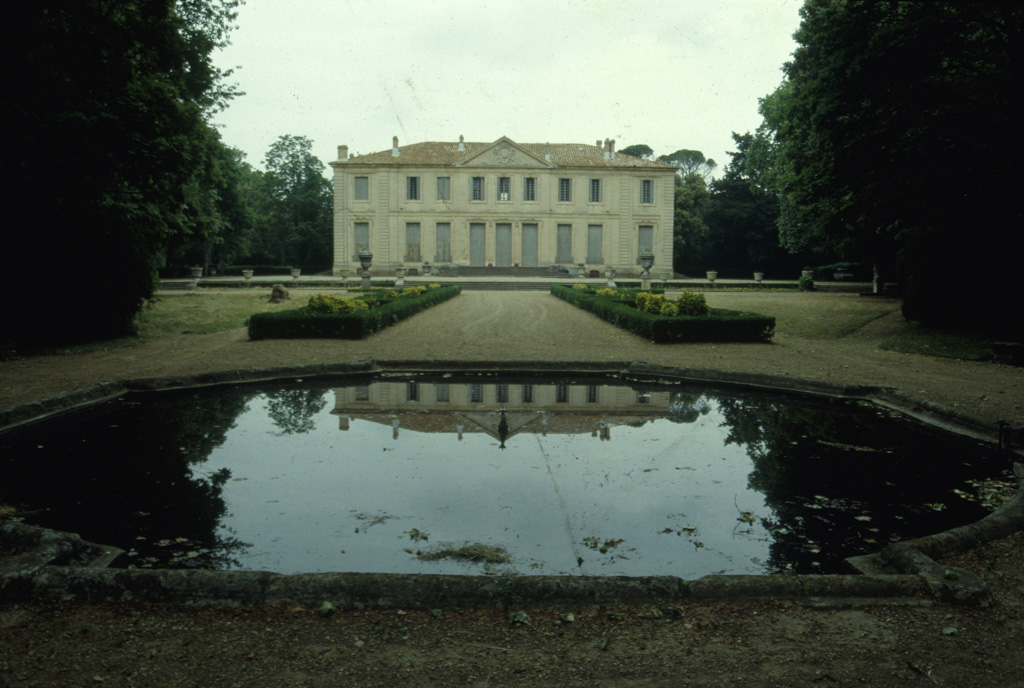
668	73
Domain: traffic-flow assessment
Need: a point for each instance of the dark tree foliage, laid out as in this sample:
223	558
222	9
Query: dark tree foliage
894	138
742	219
104	146
689	232
638	150
690	162
292	205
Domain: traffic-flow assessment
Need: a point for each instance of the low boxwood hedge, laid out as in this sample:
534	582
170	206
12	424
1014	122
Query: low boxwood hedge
332	317
719	325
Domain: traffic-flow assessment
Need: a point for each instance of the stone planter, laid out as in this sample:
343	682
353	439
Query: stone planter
664	275
247	274
712	276
295	273
759	277
197	272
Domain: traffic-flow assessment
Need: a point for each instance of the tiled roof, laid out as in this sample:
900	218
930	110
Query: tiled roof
448	153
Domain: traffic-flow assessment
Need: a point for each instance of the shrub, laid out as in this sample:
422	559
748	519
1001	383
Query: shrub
608	291
323	319
718	325
805	283
580	286
650	303
692	304
332	304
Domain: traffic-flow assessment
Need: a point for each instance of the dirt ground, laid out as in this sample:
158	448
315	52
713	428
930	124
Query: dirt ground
761	643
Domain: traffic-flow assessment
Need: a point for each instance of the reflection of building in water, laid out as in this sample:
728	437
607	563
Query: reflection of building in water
500	410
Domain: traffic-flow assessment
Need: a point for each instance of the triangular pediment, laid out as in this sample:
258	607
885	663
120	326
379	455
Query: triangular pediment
504	153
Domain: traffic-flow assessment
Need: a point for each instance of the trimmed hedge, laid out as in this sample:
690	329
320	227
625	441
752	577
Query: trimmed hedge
385	308
719	325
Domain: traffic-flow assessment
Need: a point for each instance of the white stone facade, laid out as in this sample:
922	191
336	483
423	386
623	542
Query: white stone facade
501	205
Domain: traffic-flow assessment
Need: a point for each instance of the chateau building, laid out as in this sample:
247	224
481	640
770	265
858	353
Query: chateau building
501	205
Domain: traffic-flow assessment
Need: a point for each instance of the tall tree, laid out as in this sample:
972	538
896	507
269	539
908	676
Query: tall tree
638	150
690	162
105	133
887	143
742	219
689	232
295	222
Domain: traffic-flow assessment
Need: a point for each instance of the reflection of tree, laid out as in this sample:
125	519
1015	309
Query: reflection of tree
293	410
687	408
840	479
127	478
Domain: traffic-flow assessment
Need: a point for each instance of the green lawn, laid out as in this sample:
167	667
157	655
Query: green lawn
808	315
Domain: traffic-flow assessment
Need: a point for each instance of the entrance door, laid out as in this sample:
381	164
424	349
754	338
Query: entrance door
563	248
503	245
646	241
477	244
530	246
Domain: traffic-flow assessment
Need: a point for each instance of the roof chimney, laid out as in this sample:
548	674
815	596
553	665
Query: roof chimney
343	153
462	142
598	144
611	149
394	147
607	149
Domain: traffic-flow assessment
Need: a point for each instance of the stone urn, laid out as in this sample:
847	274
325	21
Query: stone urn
247	274
197	271
365	261
664	275
759	277
295	272
712	276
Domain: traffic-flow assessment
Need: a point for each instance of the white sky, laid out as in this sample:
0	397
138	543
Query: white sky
669	73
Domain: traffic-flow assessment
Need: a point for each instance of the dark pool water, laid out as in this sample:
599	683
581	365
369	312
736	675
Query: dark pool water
539	476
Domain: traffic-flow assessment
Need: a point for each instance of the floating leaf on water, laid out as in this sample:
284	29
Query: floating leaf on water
326	608
950	630
937	506
862	518
417	534
567	617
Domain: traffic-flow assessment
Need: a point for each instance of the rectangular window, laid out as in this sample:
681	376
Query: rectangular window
476	189
362	392
643	397
444	188
504	189
594	236
563	248
362	238
591	394
476	393
565	190
443	250
647	191
562	394
595	190
442	392
501	393
412	391
527	394
412	188
362	188
412	242
530	189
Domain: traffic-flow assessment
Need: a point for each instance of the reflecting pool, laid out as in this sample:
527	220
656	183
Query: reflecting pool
460	474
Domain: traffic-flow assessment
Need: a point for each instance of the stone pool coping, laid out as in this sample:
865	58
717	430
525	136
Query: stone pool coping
54	565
